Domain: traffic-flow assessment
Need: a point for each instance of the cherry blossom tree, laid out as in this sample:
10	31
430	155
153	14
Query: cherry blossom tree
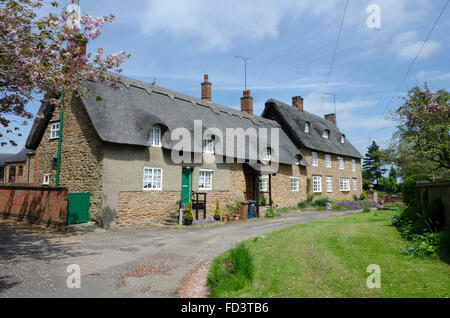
44	56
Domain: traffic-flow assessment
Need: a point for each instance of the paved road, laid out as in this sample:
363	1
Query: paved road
124	263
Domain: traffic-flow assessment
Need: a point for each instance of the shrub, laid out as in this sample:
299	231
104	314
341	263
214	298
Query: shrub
322	202
311	197
355	198
409	188
363	195
231	271
217	210
270	213
188	215
426	245
302	205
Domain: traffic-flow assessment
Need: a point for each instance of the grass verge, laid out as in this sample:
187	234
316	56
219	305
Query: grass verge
329	258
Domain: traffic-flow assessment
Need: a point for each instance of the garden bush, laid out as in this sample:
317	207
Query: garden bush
426	245
409	188
231	271
270	213
321	202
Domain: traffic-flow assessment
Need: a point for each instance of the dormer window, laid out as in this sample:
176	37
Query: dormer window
155	137
343	139
267	156
208	146
307	127
326	134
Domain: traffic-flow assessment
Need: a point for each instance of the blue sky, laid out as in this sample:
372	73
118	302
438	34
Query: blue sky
291	43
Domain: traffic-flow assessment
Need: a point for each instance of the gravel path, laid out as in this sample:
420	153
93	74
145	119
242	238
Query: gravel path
149	262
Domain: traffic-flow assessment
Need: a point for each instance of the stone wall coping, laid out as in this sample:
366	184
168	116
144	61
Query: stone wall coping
438	183
29	187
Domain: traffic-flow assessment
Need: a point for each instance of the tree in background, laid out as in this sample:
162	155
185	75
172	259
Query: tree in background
373	166
422	141
43	55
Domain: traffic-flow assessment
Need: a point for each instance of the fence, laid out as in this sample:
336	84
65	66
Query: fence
429	191
37	205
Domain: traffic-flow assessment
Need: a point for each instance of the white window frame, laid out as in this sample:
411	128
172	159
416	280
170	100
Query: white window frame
208	146
314	159
267	155
263	183
355	184
152	179
341	163
54	130
317	184
326	134
307	127
46	179
155	137
328	161
344	184
329	181
353	165
295	184
203	183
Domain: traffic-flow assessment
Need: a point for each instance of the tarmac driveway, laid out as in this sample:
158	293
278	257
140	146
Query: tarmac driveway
147	262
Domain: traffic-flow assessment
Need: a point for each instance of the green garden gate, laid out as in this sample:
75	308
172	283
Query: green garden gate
78	207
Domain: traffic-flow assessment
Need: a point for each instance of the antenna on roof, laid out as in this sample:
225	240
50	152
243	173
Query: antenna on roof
154	81
334	98
245	59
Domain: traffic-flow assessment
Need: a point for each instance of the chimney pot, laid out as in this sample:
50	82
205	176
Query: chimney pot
247	103
206	88
297	102
331	117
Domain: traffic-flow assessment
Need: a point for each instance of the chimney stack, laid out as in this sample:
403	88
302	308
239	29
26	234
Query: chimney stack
331	117
206	89
297	102
247	103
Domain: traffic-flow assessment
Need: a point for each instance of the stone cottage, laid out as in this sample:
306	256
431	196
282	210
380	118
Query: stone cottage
335	165
17	168
123	147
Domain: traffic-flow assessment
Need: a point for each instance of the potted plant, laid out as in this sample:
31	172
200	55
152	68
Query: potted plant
217	211
188	215
236	209
262	201
229	211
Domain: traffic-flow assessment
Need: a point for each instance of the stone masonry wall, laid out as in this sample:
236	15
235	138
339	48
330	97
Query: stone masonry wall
81	156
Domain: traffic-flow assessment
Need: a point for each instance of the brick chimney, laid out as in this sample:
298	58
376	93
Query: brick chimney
297	102
331	117
247	103
206	89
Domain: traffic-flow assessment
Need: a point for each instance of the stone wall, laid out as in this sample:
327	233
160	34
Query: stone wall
81	156
430	191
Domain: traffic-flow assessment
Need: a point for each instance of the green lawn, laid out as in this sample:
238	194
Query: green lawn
329	258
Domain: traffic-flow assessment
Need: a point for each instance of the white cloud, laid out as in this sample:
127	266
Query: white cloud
432	75
407	46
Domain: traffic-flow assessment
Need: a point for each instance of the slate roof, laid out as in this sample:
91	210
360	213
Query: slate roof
293	122
21	156
126	115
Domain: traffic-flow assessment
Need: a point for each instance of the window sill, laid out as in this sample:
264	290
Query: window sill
151	189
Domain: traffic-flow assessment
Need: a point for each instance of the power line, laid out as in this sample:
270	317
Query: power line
412	63
334	55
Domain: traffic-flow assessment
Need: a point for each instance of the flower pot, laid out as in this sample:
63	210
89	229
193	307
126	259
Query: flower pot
225	218
217	218
188	222
236	217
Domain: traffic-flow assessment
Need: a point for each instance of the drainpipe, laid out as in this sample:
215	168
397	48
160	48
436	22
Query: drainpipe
58	164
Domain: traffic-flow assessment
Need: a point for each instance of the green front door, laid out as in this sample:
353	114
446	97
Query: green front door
78	207
186	184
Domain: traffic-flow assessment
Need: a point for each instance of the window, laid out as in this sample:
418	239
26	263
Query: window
342	139
327	161
54	130
267	155
297	160
341	163
2	174
315	160
12	174
46	179
353	165
355	184
20	171
317	184
208	146
205	179
344	184
329	184
155	137
326	134
263	184
152	178
307	127
295	184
